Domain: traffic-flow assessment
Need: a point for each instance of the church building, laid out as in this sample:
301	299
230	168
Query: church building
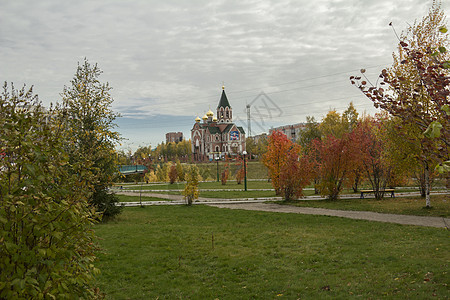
214	136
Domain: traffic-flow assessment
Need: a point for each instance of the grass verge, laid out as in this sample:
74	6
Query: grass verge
231	184
127	198
403	206
202	252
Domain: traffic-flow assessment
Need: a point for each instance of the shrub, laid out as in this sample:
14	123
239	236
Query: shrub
46	240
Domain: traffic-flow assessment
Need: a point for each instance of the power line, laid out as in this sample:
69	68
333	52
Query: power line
276	85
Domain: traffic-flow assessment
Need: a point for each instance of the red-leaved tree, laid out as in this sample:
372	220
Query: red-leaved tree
275	157
289	172
334	159
295	175
370	138
173	174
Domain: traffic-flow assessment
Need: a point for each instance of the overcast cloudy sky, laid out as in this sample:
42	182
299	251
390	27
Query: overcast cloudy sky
167	60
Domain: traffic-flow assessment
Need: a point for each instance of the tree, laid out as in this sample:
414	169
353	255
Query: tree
350	117
250	146
336	124
90	120
296	174
225	173
334	158
370	136
173	175
191	191
402	147
418	89
333	124
46	239
161	173
240	173
310	133
180	170
275	157
289	173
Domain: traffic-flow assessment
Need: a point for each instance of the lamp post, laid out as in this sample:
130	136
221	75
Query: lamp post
245	171
217	161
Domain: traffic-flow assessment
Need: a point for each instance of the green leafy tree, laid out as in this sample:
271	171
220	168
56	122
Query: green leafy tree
90	121
350	117
310	133
46	240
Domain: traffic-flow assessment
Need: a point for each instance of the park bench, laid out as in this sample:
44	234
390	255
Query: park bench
372	191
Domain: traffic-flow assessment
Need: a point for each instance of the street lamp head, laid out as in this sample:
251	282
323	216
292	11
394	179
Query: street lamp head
245	152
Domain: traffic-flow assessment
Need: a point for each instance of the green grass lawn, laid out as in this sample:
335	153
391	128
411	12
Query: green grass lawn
255	169
231	184
405	206
126	198
201	252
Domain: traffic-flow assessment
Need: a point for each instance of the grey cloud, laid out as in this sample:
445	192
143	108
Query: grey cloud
177	53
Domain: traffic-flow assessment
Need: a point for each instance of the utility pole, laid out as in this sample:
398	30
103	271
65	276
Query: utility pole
248	121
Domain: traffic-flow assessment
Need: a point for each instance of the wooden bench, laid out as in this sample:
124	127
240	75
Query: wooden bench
372	191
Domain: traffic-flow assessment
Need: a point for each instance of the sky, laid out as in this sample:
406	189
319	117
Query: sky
168	60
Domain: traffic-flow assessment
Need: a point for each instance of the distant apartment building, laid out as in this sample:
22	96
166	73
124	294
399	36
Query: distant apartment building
257	138
174	137
291	131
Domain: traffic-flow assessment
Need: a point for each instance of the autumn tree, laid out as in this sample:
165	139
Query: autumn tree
402	147
295	175
371	138
47	245
173	174
225	173
191	191
288	171
334	158
161	173
336	124
90	119
418	87
275	157
180	170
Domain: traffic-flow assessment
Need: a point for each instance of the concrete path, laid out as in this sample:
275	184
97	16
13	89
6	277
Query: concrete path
359	215
259	204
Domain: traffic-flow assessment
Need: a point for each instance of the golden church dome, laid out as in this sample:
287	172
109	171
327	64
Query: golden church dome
197	119
205	117
210	113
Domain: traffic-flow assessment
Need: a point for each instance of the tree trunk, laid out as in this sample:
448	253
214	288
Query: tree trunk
427	186
356	182
420	177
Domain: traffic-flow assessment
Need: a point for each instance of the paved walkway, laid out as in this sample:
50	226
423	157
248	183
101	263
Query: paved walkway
260	205
359	215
